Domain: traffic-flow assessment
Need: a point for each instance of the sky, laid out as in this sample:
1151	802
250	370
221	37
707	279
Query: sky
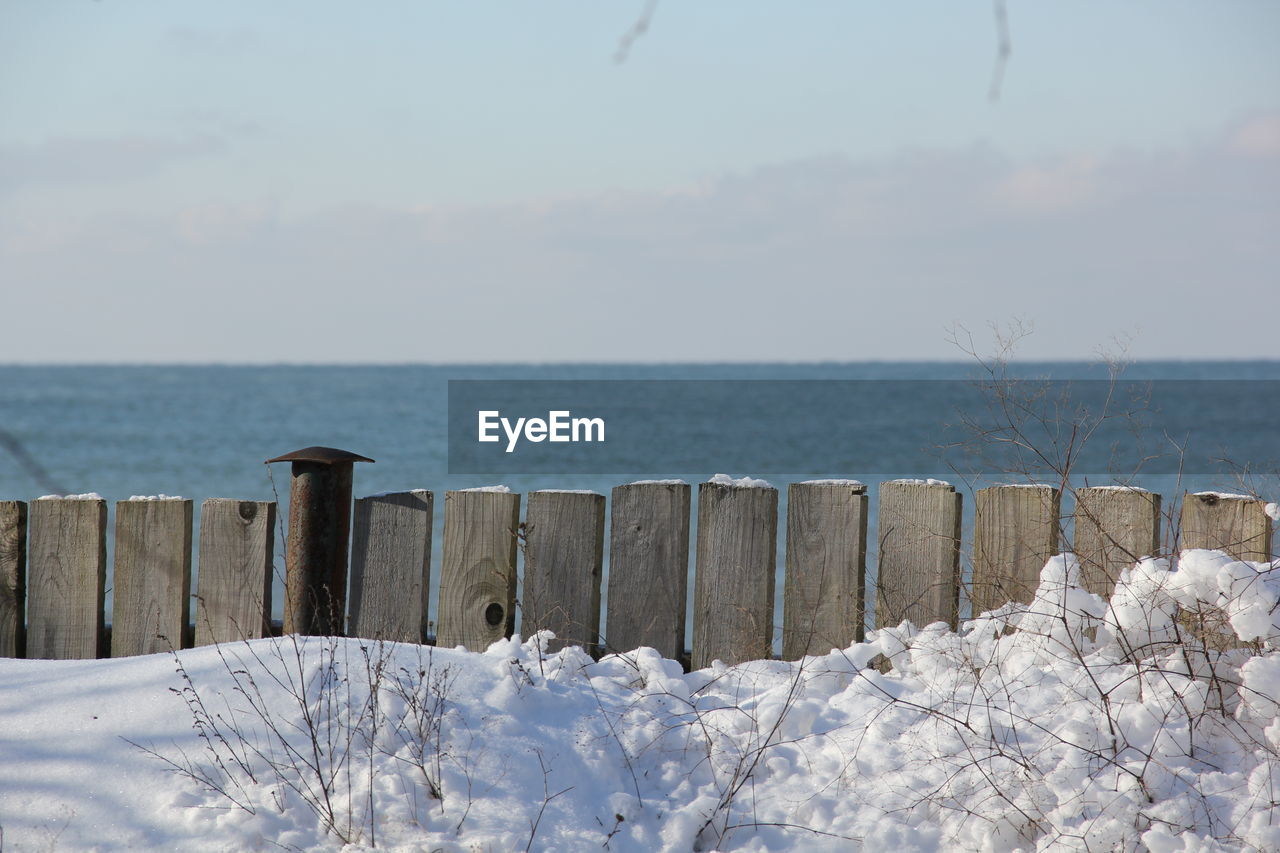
417	181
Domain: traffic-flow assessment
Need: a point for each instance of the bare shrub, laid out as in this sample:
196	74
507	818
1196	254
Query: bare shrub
312	722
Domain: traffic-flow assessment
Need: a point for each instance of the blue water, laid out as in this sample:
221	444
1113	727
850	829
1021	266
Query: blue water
204	431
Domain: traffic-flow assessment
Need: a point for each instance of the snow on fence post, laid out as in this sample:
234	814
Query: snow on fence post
13	578
67	577
478	569
918	570
734	573
1114	528
563	564
1236	524
648	567
391	566
1015	531
826	566
233	597
151	589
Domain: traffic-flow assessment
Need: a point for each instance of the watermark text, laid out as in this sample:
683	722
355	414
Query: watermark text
557	426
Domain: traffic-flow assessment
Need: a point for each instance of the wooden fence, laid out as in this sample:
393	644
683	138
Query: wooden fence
53	564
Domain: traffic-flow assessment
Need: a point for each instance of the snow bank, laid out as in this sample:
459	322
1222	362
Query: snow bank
1060	725
1142	611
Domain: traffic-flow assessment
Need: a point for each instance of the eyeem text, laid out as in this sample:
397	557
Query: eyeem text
558	426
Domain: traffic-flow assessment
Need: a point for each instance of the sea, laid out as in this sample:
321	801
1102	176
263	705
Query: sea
206	431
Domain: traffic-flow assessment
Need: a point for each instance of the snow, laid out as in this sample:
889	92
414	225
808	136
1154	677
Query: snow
497	489
658	483
1273	511
1228	496
87	496
853	483
741	483
406	491
160	497
1149	594
1066	724
1138	489
914	482
565	492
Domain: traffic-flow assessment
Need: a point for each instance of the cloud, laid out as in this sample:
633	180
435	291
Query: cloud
1257	137
211	224
72	160
1056	185
822	258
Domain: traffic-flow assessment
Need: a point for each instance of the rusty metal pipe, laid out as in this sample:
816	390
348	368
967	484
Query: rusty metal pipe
319	535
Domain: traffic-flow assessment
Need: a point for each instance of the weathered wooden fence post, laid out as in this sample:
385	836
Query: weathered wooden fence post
1115	526
648	567
734	574
315	564
918	570
151	589
237	542
68	571
1015	532
563	565
13	579
1236	524
478	571
391	566
826	566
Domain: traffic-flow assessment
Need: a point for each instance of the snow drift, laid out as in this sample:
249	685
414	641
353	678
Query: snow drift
1071	723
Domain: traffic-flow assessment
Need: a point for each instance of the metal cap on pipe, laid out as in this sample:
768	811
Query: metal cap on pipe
324	455
315	563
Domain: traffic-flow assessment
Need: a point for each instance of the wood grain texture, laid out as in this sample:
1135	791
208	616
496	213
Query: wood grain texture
1237	525
563	565
151	586
13	579
237	543
648	568
734	574
826	568
1114	528
391	567
478	569
1015	533
918	570
67	578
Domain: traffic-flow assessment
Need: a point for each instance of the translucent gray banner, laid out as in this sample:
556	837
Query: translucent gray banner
1038	428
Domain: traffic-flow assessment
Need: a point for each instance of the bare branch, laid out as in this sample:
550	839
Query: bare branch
1004	49
639	28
